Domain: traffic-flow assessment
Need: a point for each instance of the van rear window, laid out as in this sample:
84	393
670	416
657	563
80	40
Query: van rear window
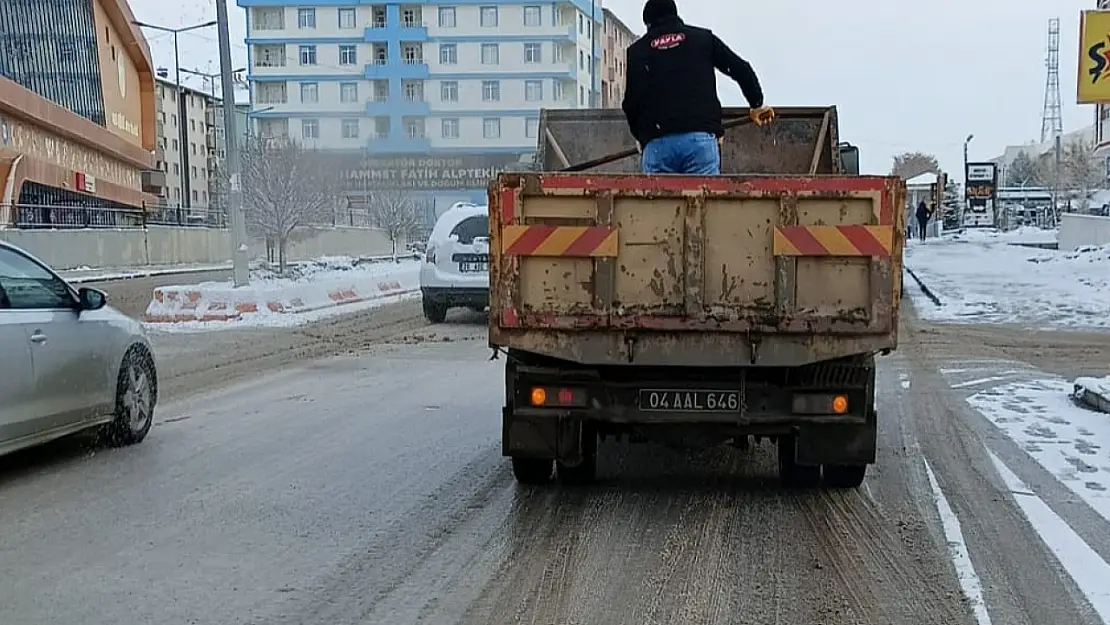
471	227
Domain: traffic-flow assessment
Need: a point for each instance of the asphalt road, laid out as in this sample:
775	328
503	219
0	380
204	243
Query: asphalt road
369	488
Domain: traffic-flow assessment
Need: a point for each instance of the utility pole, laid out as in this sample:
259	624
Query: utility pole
1056	182
239	258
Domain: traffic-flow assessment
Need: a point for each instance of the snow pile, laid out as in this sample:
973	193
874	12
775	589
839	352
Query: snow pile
312	287
983	276
1070	442
1024	234
1093	392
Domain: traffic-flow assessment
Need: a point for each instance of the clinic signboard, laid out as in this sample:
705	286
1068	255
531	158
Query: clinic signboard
413	172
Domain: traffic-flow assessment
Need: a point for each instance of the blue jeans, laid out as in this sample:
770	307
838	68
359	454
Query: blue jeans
693	153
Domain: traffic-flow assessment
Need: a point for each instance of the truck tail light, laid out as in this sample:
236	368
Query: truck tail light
821	404
558	397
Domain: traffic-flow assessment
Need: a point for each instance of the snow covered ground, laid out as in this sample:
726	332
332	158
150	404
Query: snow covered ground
310	291
983	276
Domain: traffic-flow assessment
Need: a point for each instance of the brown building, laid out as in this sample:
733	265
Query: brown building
617	38
77	115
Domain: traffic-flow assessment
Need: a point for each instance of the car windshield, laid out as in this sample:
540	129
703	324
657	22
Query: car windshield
471	228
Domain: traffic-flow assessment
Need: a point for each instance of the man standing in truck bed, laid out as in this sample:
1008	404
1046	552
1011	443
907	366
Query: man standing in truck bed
670	97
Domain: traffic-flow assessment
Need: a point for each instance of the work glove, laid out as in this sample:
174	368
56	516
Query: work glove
762	115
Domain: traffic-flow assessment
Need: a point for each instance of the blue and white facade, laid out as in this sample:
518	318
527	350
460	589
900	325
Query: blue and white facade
440	81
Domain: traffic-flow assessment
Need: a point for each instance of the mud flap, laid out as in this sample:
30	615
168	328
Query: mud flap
837	444
548	437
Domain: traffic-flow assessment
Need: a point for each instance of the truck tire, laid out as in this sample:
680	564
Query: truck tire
434	312
792	474
585	472
532	471
844	475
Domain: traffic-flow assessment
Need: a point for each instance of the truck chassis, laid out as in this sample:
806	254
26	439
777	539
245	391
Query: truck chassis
821	416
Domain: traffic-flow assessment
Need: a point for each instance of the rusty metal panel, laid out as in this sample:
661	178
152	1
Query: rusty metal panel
717	256
803	140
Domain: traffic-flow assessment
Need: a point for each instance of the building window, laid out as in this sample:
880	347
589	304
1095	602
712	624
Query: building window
269	56
381	127
491	91
348	92
350	129
271	92
533	90
348	55
268	18
306	18
533	53
448	54
310	92
310	128
557	53
377	17
177	169
491	54
450	128
173	119
347	19
410	18
194	170
414	91
308	55
414	127
449	91
557	91
491	128
488	17
581	25
413	54
532	127
533	16
175	145
446	17
581	60
381	90
192	125
581	96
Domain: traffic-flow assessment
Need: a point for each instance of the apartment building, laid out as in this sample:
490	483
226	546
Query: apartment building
192	173
616	37
432	94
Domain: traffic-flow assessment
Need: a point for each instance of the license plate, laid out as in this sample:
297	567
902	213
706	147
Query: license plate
474	267
675	400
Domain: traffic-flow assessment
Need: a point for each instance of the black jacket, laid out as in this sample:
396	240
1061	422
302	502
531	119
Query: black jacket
671	84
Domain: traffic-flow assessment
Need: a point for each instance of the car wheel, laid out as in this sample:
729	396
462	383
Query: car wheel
136	395
435	312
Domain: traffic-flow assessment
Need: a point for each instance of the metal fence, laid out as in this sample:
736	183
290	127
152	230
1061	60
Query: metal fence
64	217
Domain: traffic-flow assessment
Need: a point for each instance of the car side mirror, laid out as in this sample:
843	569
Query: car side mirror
91	299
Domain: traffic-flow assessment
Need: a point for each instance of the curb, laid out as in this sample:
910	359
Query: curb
1089	398
924	289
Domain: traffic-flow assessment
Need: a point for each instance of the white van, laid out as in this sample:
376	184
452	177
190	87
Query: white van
456	262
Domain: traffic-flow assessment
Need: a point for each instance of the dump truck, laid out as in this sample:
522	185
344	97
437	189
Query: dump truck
694	311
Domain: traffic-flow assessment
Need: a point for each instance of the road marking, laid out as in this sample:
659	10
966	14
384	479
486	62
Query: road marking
970	583
1085	567
980	381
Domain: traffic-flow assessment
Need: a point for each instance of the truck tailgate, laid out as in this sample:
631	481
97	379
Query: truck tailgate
715	271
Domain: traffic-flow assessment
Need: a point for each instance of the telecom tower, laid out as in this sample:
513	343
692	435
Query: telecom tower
1052	124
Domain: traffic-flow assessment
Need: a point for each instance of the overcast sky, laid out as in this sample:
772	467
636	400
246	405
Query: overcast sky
904	75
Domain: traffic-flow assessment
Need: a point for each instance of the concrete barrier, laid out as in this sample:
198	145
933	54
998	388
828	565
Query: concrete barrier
168	245
222	302
1078	231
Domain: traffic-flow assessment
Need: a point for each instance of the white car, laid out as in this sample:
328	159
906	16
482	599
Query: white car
456	262
70	362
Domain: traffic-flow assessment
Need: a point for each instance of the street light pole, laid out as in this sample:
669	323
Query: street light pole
967	200
182	111
239	252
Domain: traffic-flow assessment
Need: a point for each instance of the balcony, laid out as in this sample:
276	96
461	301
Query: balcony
387	107
398	144
396	31
410	69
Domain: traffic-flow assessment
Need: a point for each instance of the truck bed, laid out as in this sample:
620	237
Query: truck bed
606	268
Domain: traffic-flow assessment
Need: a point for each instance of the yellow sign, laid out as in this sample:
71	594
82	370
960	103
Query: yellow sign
1094	58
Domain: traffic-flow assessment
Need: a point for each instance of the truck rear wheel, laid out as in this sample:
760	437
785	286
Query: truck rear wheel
532	471
791	473
844	475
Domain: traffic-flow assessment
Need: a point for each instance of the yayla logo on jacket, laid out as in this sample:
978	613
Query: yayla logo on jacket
668	41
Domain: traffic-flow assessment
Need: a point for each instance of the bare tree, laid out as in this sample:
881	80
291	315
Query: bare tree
910	164
1081	171
396	212
285	186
